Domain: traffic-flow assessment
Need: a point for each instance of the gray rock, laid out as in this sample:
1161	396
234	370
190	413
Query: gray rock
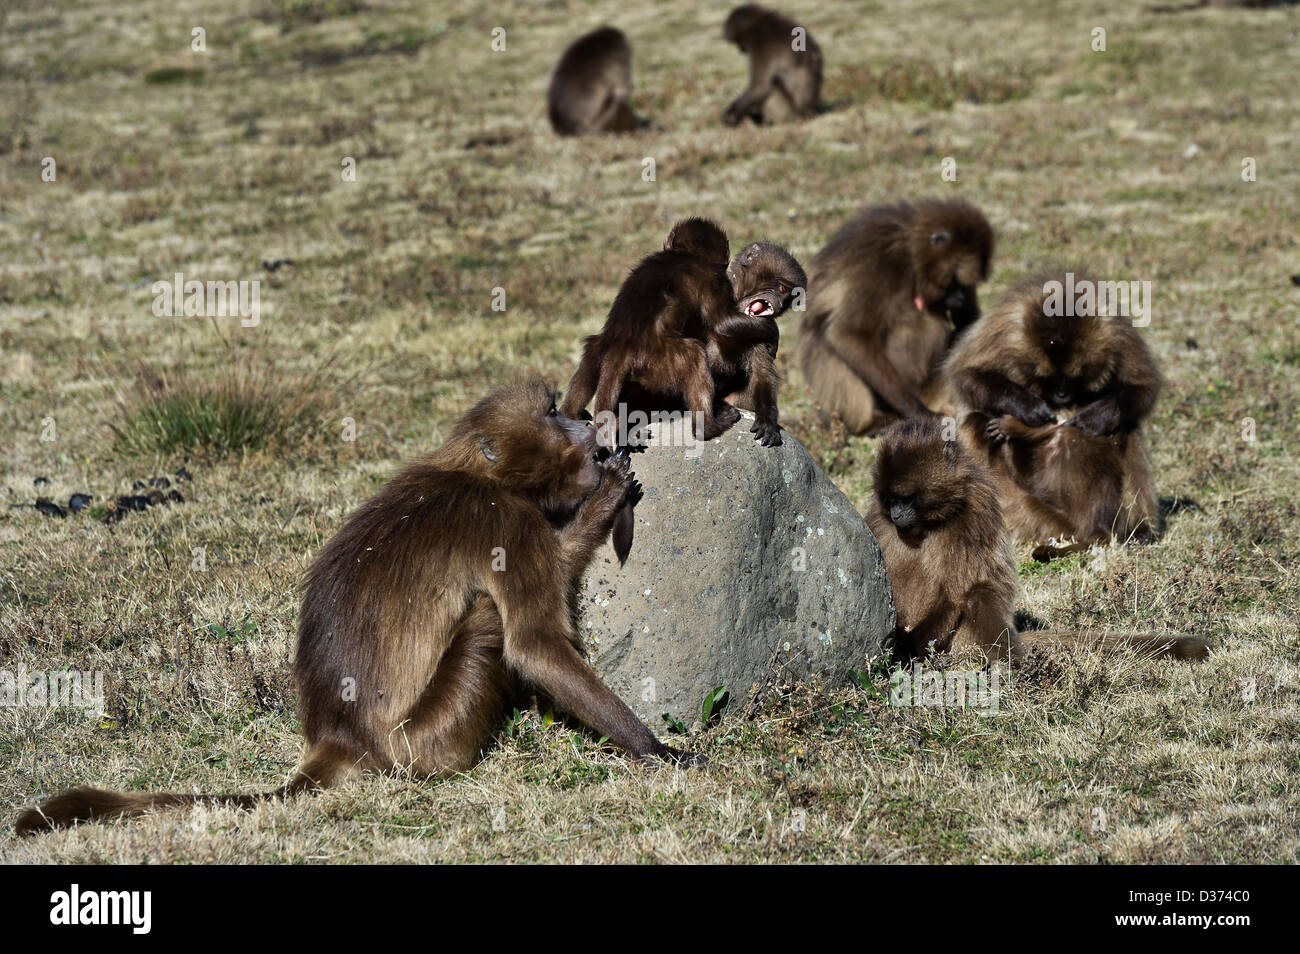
711	595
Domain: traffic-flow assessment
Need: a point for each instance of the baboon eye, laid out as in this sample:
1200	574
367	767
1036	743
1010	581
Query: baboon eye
552	412
781	288
938	238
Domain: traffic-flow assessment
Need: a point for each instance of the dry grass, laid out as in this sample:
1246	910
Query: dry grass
211	163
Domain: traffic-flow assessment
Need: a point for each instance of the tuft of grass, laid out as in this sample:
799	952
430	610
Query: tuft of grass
171	75
214	413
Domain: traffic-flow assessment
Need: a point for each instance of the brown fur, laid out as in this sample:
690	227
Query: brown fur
411	645
687	331
1056	406
784	84
591	85
934	511
870	355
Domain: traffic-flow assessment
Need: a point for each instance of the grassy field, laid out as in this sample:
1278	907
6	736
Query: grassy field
209	163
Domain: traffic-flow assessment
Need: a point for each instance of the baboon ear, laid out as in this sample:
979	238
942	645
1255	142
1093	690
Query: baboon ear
486	447
749	254
939	238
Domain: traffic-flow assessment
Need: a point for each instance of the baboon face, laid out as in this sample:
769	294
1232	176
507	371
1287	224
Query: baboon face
740	23
952	248
528	445
764	277
1075	357
701	238
920	478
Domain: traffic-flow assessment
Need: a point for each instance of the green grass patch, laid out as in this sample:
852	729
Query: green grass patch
216	413
172	75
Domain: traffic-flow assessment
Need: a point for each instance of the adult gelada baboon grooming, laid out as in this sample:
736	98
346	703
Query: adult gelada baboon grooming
688	331
934	510
1055	395
785	67
887	296
591	84
444	597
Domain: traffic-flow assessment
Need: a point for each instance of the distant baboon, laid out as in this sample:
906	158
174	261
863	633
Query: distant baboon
1055	403
785	67
591	84
887	296
687	331
1200	4
441	601
934	510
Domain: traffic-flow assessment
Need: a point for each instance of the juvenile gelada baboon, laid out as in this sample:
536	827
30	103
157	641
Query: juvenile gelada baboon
934	510
886	297
785	67
444	598
591	84
687	330
1055	395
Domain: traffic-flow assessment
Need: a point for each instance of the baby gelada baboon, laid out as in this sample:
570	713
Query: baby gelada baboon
687	330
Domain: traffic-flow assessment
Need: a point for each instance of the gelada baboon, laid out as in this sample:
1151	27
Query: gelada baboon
444	598
887	296
591	84
688	331
1055	404
785	67
934	510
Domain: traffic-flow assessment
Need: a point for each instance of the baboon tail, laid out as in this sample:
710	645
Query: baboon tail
1186	648
323	767
582	386
622	532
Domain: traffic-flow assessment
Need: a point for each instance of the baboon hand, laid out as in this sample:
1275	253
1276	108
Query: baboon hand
768	433
1037	415
1045	553
724	418
996	430
1094	423
619	482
